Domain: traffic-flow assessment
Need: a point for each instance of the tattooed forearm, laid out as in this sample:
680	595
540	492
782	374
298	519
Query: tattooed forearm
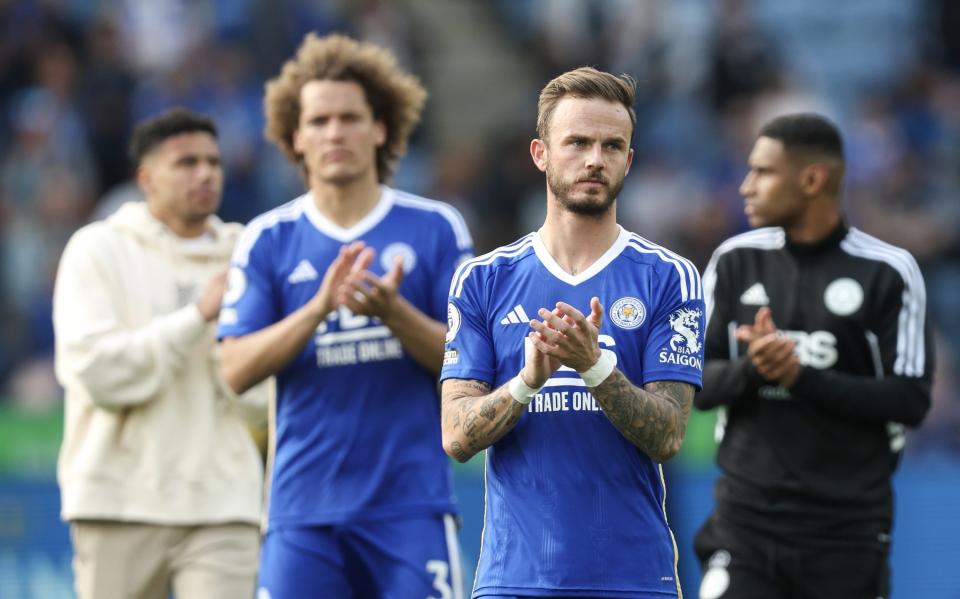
473	417
458	452
653	418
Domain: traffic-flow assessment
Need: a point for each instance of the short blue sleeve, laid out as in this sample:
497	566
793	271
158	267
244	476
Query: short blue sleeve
469	352
455	247
674	349
249	301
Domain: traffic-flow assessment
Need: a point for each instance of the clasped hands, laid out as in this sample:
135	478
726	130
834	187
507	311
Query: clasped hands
347	282
771	352
563	337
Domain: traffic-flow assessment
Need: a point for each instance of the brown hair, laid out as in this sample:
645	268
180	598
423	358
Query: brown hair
395	96
152	132
586	83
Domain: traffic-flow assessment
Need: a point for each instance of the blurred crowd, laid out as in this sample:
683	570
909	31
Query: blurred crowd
76	74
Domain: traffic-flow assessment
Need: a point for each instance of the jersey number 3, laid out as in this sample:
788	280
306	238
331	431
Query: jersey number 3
440	570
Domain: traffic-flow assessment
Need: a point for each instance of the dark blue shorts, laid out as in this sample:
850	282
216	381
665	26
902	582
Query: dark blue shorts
413	557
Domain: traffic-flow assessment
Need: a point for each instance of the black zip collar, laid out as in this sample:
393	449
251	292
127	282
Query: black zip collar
831	241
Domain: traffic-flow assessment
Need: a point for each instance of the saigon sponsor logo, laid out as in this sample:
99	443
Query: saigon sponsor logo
628	313
685	343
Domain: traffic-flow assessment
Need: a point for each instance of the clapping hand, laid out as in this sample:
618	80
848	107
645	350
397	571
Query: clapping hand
351	258
568	336
772	353
365	293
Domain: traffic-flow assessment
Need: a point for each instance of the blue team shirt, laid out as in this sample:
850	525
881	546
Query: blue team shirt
357	419
572	508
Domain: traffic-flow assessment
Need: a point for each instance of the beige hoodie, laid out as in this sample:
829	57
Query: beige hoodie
152	433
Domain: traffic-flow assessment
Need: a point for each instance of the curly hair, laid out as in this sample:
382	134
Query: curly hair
586	82
395	96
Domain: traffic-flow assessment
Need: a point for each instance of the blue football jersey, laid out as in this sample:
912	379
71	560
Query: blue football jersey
357	419
573	508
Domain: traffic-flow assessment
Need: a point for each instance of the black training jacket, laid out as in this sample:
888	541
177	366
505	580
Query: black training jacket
814	463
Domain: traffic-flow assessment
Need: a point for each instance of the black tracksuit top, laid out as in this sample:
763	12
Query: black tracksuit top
816	460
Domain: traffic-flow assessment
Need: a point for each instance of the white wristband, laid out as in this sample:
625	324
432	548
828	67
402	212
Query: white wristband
599	372
520	392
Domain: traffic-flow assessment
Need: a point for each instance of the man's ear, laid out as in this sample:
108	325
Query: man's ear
814	178
143	178
538	151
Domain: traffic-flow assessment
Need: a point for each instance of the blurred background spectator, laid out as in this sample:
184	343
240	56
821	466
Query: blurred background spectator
74	75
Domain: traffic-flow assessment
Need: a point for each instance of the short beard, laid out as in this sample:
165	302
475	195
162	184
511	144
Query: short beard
588	207
339	180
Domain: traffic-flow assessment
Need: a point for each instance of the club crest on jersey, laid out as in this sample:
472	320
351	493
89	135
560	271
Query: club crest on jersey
401	249
628	313
843	297
453	321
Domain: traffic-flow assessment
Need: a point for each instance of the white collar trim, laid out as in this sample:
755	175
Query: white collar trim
331	229
551	265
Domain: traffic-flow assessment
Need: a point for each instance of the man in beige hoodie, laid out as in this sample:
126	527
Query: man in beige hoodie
159	476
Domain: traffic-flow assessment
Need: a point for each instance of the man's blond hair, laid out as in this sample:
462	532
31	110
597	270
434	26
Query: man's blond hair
395	96
586	83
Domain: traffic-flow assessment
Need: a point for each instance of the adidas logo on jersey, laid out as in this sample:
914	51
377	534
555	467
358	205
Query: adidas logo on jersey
755	295
303	272
516	316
